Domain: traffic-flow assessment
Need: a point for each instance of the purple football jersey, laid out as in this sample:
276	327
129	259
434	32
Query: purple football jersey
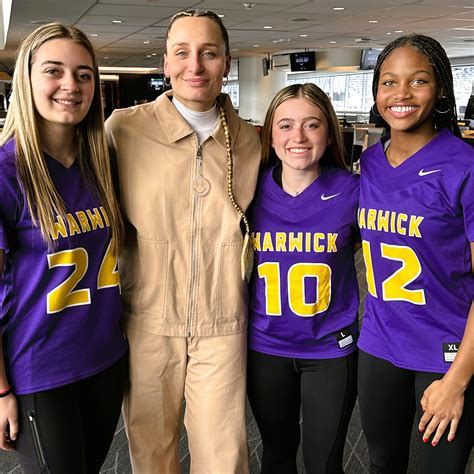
59	308
303	293
417	222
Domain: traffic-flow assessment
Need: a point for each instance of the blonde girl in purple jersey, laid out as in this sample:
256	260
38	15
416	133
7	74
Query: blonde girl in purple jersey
417	222
303	294
62	363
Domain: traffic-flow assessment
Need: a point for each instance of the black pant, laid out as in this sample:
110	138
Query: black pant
69	429
326	390
389	397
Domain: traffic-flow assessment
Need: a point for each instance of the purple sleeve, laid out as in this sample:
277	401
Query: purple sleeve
467	203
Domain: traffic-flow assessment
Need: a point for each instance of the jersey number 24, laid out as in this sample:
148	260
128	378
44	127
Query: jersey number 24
65	295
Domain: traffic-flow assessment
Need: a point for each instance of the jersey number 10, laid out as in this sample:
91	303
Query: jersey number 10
270	272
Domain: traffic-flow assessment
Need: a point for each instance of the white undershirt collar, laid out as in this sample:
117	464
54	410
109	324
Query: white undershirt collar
203	123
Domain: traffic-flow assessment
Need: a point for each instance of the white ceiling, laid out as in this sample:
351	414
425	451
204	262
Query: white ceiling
449	21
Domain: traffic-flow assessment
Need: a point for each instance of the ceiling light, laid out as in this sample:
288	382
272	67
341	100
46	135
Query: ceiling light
147	42
256	45
248	5
303	36
221	15
373	21
117	21
332	42
148	55
338	9
94	34
268	27
154	54
109	77
389	33
398	31
106	57
136	70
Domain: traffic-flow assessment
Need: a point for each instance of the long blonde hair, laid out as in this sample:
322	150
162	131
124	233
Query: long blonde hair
43	200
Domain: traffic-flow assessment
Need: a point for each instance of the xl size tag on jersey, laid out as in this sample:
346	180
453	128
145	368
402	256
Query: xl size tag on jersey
450	349
344	338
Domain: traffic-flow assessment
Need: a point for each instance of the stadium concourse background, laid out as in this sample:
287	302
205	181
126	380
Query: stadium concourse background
356	460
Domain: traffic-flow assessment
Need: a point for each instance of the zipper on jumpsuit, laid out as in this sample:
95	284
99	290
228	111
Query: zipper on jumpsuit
194	240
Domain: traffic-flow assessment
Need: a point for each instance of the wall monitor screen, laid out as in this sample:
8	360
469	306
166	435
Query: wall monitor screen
305	61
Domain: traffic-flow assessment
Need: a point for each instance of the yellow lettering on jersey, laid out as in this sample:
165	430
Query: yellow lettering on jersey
307	243
267	242
95	218
414	226
382	220
256	241
390	221
361	218
73	225
106	217
280	241
296	243
81	216
332	242
58	228
317	246
393	216
371	217
401	218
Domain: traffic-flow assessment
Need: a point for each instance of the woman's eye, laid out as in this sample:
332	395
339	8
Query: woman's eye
51	71
209	54
85	77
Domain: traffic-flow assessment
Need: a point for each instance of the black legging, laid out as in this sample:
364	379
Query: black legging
70	428
326	391
388	399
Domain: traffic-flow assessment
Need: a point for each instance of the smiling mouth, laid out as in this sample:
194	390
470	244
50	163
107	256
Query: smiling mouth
298	150
198	82
67	101
403	108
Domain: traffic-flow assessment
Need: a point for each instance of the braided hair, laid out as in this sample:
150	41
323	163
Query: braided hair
444	113
247	253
